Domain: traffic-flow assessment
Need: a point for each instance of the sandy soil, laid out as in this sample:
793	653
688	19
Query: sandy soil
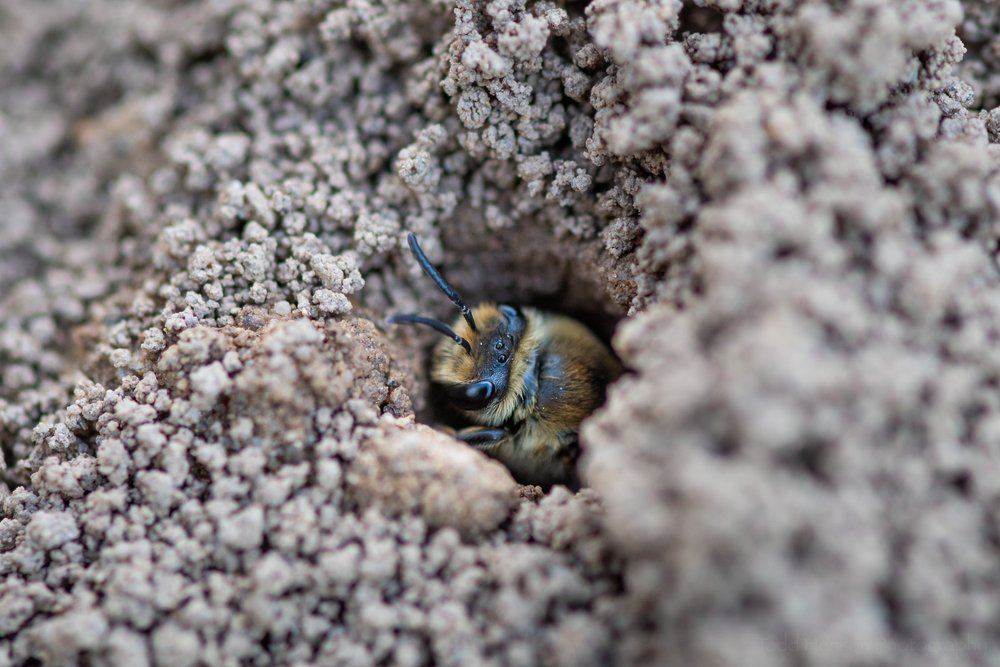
786	211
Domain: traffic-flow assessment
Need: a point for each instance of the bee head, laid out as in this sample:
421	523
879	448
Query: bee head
475	368
476	379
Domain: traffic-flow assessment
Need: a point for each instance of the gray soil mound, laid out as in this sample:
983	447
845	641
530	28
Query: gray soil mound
213	447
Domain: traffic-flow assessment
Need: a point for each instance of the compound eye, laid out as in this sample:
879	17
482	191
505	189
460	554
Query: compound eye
515	319
472	396
479	391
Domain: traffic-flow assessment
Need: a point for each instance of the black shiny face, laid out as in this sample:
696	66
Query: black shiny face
498	340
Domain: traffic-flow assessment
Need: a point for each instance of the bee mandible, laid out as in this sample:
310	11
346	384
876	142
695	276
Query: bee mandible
525	378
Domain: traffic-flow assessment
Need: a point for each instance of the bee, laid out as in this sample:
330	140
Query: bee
524	377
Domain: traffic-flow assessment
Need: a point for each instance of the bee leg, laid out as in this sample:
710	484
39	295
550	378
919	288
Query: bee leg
484	439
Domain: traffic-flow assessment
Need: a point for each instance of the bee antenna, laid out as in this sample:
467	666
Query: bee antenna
439	280
440	327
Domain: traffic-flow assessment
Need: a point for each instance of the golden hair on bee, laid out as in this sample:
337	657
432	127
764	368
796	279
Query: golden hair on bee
525	378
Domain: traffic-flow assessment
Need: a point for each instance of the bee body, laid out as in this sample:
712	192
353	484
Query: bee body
524	377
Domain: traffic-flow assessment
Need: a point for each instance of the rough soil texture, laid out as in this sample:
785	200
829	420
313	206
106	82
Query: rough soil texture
211	454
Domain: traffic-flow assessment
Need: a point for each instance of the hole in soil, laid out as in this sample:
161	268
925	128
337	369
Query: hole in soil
522	266
700	19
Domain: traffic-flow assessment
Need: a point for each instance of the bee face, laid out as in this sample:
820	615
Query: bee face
477	380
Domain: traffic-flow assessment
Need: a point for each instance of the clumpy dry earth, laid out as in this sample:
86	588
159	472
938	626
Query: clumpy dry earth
213	450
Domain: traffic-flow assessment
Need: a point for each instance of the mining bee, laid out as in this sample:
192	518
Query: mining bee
526	379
